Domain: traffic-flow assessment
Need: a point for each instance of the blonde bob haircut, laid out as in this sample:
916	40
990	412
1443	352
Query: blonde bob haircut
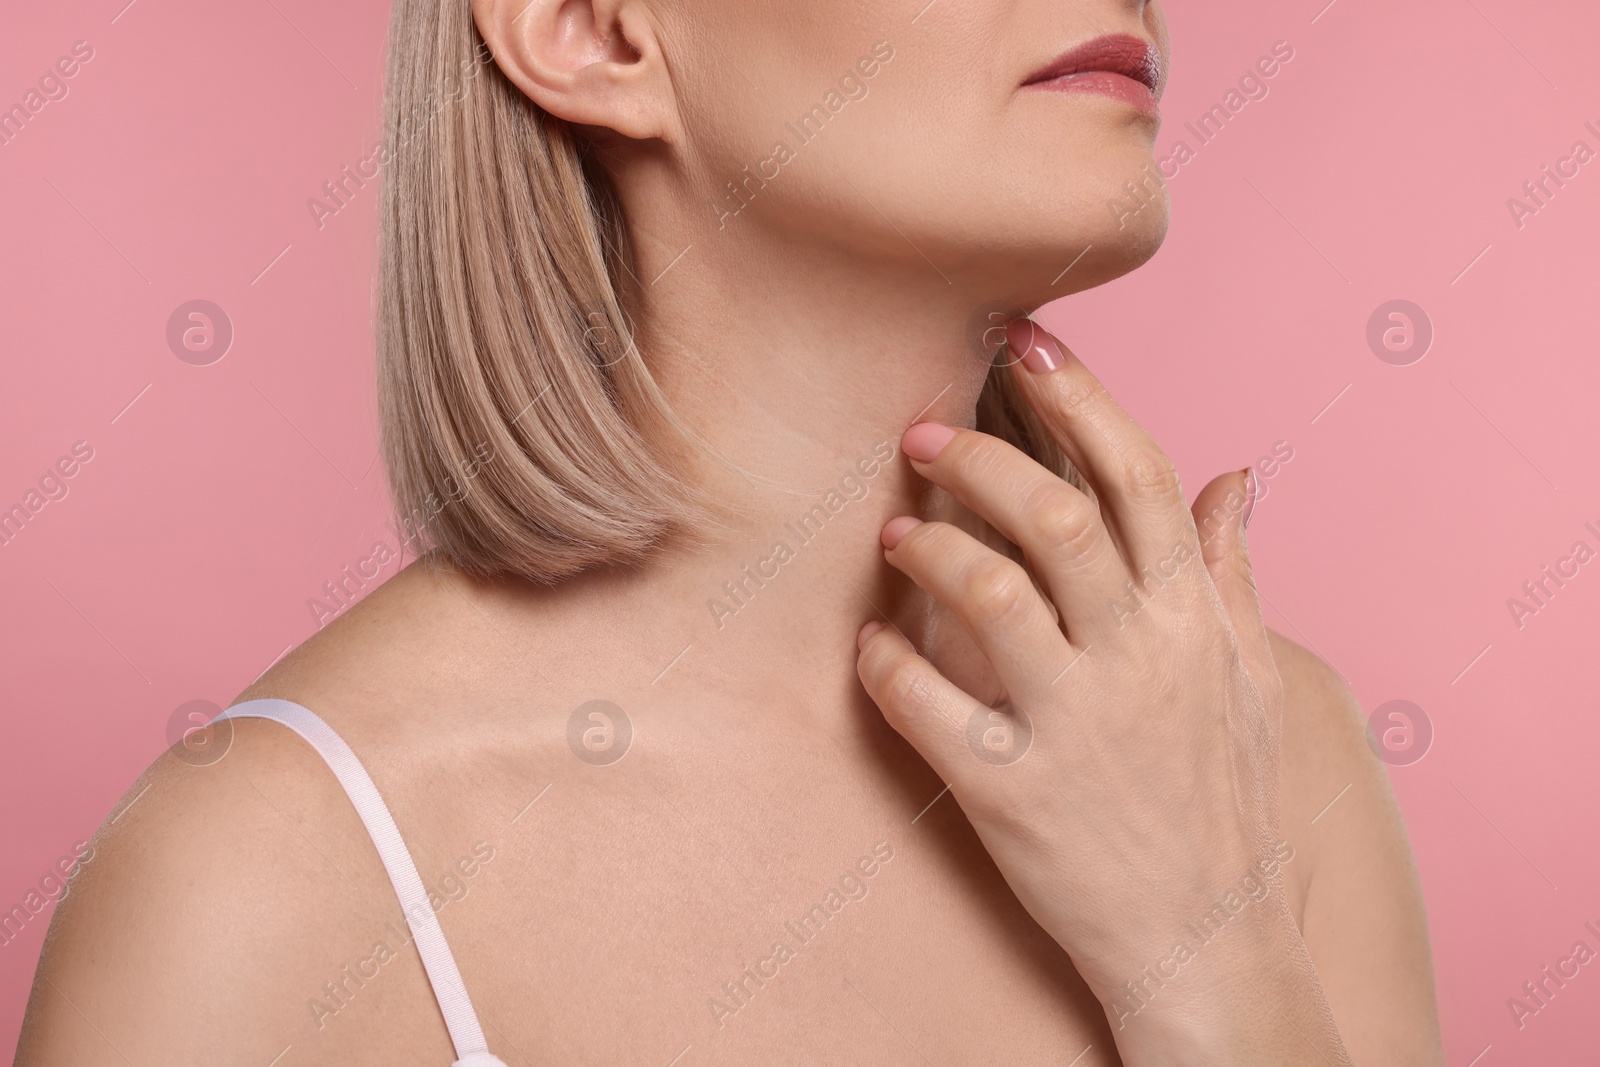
522	430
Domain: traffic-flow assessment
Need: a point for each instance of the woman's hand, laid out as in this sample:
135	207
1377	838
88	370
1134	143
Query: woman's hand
1126	784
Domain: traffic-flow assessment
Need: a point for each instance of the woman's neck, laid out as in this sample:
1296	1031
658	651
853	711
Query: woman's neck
803	376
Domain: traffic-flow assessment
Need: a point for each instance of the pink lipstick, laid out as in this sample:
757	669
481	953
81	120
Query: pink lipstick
1119	65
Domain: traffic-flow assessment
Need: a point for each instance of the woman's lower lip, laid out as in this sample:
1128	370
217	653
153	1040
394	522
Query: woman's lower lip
1118	86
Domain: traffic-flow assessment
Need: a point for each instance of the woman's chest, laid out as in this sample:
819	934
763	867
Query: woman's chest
810	907
731	889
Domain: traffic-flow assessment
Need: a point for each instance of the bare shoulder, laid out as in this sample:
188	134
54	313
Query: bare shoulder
406	637
1360	898
1324	732
1326	764
226	889
216	902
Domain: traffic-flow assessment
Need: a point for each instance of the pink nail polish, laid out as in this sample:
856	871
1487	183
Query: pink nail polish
895	529
924	441
1250	490
1036	349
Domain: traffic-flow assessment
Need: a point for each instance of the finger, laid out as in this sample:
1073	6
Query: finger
1220	512
992	595
1059	527
1134	480
926	708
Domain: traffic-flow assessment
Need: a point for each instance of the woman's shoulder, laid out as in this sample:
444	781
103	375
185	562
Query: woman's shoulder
222	887
1360	905
402	637
192	931
1326	759
1325	741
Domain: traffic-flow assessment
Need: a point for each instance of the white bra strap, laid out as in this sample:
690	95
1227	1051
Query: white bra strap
465	1032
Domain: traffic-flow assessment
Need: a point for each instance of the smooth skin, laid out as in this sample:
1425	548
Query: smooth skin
1173	754
800	337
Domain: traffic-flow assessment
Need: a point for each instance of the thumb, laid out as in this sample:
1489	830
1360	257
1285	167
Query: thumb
1220	513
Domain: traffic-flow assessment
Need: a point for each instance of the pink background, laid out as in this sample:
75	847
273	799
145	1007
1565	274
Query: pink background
179	564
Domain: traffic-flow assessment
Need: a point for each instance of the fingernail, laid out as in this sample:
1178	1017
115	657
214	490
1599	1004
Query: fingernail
1036	348
867	631
924	441
1250	489
895	529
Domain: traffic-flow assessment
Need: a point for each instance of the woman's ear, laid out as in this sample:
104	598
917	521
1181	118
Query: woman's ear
590	62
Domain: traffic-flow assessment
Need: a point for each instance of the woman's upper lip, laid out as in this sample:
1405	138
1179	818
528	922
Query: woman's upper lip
1119	53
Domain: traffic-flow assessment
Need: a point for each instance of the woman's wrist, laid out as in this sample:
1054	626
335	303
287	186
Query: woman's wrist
1250	995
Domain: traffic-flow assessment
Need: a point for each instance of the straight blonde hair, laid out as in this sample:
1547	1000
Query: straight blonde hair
522	431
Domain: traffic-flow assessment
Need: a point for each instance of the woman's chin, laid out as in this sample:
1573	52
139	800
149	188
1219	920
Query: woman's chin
1080	259
1129	247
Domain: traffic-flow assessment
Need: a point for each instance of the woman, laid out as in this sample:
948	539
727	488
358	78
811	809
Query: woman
717	729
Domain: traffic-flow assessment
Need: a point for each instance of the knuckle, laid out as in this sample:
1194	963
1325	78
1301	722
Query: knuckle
902	684
997	590
1065	521
1150	472
928	544
892	675
1079	395
977	456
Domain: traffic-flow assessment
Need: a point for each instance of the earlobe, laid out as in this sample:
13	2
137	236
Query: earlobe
593	63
